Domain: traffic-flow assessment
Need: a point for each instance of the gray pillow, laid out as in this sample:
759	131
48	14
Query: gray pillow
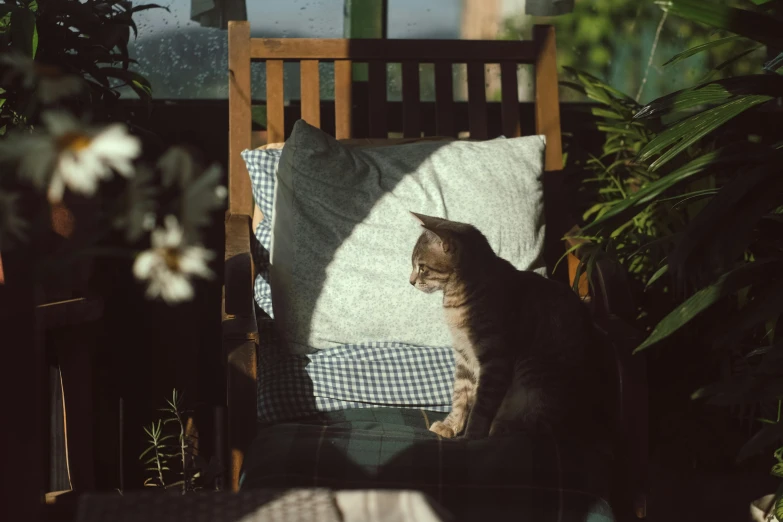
343	237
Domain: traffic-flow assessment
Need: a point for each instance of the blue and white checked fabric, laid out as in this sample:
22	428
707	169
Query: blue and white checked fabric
353	376
262	166
362	375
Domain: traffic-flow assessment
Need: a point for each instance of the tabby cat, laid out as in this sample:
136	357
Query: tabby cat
521	341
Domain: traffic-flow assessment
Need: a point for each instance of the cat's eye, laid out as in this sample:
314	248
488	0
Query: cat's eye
421	268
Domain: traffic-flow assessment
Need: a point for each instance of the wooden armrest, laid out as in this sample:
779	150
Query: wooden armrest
240	341
239	316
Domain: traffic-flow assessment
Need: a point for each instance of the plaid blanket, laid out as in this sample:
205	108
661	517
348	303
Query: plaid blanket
502	478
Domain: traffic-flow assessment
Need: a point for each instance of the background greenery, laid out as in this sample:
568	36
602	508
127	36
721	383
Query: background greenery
612	39
687	195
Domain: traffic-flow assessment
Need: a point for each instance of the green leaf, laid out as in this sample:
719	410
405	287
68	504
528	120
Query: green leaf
719	234
143	453
593	82
710	93
573	85
727	284
725	63
178	166
687	132
700	48
258	115
779	505
625	209
767	304
605	113
764	350
201	199
774	64
755	26
24	31
134	80
657	275
144	7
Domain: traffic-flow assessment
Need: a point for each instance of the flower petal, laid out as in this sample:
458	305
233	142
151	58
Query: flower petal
176	289
115	143
171	236
194	259
146	263
56	190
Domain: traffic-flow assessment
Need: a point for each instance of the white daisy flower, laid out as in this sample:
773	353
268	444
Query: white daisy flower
50	83
77	157
169	264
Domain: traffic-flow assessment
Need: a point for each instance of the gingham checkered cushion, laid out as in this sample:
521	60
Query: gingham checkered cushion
261	165
351	376
365	375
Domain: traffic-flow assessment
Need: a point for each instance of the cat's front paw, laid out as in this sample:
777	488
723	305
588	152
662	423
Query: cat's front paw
442	429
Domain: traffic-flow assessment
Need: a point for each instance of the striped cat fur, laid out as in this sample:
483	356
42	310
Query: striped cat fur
521	341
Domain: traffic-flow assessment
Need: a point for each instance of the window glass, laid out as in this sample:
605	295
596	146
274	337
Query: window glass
611	39
183	59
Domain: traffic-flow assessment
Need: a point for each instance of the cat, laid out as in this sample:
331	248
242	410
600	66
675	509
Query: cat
521	341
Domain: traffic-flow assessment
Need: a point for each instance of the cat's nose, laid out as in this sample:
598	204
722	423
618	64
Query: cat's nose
413	281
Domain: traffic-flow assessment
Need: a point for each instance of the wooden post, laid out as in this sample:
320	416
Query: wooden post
547	98
239	117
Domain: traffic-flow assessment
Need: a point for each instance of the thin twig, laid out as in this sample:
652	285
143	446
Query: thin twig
652	53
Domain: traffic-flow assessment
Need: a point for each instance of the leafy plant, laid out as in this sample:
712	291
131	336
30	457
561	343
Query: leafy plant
170	458
161	454
157	455
614	176
612	39
727	261
83	39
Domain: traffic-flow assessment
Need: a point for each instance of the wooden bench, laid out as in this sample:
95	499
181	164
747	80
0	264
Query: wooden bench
361	110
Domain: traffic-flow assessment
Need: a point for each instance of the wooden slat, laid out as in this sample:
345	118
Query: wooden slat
342	99
411	106
240	198
275	115
377	105
477	101
311	92
392	50
547	100
444	99
509	99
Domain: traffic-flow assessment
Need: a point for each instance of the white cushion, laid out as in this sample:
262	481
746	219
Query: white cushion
343	237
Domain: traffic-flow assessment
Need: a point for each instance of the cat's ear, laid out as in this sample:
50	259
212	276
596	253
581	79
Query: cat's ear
421	218
431	224
428	222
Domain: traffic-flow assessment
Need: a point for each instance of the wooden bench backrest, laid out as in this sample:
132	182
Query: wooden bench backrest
308	52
